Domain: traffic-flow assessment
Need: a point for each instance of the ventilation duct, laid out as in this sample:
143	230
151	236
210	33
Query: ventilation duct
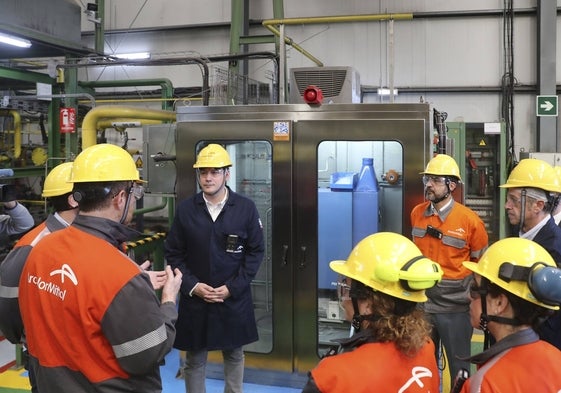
338	84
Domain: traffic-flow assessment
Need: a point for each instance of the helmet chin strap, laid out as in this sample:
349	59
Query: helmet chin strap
522	208
484	319
358	318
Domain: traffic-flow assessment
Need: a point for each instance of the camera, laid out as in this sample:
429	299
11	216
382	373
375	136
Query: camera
7	192
91	12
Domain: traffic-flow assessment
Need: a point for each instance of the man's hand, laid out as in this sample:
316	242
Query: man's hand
222	292
10	205
172	285
157	278
209	294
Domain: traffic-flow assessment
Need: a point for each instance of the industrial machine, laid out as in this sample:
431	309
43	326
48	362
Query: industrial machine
295	162
480	151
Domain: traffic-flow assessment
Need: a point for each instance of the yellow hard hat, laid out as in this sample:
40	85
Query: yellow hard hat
533	172
104	162
510	263
213	156
390	263
56	182
442	165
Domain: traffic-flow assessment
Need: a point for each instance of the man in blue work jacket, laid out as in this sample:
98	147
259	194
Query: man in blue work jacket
216	240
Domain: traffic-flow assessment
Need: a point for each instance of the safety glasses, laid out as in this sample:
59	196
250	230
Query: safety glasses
433	179
343	288
214	172
137	191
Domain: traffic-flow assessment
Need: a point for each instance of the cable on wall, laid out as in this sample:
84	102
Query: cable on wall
508	81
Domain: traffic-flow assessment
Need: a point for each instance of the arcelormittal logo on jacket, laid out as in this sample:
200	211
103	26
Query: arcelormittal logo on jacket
49	286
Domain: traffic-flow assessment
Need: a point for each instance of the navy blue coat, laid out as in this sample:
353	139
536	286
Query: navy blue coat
549	237
197	246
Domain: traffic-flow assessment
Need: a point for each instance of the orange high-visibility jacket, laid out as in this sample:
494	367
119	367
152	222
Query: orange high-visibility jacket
92	317
526	368
378	367
464	237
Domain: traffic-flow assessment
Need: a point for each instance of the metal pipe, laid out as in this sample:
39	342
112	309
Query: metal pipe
454	89
256	22
270	23
89	125
290	41
164	83
282	63
392	60
337	19
152	62
47	96
17	131
152	208
121	124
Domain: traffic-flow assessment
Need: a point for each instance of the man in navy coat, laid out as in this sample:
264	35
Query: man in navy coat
216	240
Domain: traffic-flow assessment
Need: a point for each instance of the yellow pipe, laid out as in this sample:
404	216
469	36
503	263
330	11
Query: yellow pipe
290	42
89	125
17	132
271	23
337	19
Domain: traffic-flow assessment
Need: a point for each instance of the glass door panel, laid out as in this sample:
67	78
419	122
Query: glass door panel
359	190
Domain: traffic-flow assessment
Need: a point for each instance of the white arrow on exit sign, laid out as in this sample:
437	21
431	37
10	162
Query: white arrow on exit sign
546	105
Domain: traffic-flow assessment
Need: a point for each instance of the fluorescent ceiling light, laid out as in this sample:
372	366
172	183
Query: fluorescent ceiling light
15	41
133	56
386	92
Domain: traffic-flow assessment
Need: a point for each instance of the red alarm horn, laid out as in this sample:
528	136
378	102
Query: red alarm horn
313	95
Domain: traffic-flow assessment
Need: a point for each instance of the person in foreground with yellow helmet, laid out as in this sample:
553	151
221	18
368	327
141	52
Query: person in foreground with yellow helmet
449	233
516	285
92	319
385	278
533	189
216	240
58	191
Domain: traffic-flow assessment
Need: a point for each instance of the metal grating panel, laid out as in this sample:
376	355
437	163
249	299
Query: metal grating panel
338	84
329	81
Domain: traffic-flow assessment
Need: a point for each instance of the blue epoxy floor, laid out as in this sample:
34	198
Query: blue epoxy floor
174	385
15	381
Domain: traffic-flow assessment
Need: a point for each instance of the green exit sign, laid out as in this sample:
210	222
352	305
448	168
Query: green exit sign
546	105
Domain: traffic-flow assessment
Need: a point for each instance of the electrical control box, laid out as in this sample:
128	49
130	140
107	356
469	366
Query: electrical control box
480	152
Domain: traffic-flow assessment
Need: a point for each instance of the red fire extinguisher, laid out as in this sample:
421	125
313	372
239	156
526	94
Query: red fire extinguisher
67	120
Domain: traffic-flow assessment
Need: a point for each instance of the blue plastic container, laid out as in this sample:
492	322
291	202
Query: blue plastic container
365	202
